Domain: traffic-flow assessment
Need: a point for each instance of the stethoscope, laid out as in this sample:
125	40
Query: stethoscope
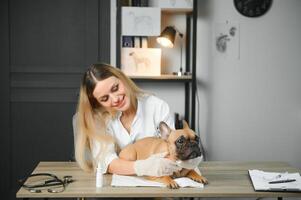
56	184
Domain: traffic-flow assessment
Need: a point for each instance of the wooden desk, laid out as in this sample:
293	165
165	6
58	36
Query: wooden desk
226	179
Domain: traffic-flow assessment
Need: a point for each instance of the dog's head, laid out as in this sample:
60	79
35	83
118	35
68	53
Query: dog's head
183	143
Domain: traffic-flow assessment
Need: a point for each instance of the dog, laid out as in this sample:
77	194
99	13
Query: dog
181	144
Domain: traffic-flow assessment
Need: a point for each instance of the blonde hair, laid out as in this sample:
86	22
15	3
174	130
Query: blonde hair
92	118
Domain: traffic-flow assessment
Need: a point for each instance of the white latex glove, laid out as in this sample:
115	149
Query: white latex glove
156	165
190	164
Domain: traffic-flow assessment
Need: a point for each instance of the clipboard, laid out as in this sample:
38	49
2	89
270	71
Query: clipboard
261	181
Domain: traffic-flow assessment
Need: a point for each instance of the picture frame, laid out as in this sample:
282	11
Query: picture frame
141	61
170	5
141	21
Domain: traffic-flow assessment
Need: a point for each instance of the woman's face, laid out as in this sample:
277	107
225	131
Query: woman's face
111	93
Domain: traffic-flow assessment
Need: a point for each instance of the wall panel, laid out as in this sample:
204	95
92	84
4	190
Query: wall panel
48	46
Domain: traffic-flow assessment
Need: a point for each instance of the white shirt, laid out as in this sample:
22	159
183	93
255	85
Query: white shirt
150	112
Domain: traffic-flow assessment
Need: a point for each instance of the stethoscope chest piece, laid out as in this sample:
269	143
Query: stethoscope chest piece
35	190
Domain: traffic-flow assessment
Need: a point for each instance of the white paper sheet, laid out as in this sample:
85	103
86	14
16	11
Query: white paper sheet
261	179
134	181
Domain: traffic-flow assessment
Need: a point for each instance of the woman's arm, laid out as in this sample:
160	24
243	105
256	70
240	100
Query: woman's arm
122	167
155	165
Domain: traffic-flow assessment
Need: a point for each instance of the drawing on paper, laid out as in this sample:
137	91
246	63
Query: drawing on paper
141	61
174	3
226	40
141	21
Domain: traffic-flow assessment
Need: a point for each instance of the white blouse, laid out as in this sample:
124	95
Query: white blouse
150	112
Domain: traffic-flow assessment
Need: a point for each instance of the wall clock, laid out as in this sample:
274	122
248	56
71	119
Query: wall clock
252	8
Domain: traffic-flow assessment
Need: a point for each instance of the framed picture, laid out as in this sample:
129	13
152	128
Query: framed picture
172	4
141	61
141	21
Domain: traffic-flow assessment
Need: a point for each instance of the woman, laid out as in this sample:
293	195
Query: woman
112	113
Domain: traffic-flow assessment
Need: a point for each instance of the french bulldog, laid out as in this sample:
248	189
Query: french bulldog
181	144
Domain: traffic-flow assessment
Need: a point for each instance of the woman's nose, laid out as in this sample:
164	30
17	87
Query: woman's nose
115	98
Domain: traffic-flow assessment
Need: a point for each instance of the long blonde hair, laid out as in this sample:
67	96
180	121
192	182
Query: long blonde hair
92	118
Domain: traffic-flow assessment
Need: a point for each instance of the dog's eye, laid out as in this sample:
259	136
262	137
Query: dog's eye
181	140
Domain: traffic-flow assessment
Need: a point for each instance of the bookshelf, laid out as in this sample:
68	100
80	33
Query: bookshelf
163	77
189	81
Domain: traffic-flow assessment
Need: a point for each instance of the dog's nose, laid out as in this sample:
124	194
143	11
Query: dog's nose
193	144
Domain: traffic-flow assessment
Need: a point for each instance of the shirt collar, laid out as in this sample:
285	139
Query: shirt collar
138	112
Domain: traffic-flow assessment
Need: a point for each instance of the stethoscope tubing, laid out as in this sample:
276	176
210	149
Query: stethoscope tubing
54	181
44	185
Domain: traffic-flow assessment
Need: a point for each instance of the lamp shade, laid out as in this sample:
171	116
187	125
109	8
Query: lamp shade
167	37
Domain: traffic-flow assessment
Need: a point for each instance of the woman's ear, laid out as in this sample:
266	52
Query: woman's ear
164	130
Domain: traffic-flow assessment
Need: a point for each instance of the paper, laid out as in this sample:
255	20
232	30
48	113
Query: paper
134	181
141	61
226	42
261	179
142	21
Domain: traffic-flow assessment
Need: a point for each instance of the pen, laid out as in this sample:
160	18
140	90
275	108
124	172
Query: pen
282	181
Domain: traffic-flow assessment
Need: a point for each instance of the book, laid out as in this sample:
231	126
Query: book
136	3
137	42
144	43
275	181
127	41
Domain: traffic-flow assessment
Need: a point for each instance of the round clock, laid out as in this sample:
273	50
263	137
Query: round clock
252	8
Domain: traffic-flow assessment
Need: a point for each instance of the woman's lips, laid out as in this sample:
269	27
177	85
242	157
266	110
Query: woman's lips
121	103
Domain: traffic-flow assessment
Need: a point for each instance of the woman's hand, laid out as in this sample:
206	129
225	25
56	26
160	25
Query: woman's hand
156	165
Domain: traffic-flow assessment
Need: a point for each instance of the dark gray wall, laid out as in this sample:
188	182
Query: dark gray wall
4	100
45	47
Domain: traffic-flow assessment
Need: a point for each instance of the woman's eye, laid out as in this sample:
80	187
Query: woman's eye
104	99
115	88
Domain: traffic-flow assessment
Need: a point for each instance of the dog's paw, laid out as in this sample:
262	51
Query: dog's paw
196	177
170	183
173	185
200	179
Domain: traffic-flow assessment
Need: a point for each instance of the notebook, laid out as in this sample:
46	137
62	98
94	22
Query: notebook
275	181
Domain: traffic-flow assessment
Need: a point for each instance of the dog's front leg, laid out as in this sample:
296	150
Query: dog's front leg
167	180
196	177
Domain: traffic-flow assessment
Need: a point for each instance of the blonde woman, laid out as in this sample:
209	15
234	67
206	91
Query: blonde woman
112	113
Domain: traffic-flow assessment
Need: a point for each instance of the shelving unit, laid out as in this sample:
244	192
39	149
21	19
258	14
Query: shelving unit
163	77
188	80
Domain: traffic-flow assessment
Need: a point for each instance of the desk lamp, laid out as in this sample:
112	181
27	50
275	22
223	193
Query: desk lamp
167	39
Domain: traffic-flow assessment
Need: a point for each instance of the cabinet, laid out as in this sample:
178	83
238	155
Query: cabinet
188	80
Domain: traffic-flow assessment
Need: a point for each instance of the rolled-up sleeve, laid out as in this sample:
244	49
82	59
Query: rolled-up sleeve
109	156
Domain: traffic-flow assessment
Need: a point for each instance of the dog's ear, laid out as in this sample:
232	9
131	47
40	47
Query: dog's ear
185	125
164	130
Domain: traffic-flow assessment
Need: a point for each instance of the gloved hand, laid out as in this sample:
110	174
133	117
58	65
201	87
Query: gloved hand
156	165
